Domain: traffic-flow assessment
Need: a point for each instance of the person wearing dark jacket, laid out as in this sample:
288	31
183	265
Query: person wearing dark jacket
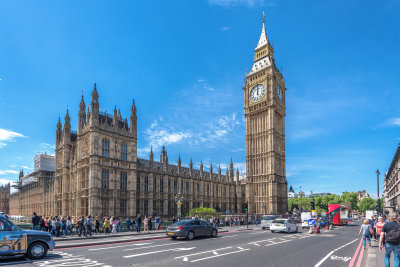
35	222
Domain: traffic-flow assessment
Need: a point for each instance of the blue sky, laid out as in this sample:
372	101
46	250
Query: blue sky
184	63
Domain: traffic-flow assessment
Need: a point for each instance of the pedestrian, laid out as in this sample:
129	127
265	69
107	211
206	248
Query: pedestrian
46	224
146	224
173	220
68	227
35	222
379	226
114	224
139	222
150	223
158	222
365	230
373	225
392	241
97	224
81	226
128	224
41	224
88	225
106	226
58	227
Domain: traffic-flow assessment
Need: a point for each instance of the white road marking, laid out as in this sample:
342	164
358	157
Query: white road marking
120	238
330	253
228	236
201	252
122	246
158	251
228	253
169	244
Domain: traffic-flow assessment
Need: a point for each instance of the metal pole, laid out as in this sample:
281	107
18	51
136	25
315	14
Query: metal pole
247	215
379	201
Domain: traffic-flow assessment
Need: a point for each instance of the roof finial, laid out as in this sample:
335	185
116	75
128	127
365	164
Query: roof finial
263	17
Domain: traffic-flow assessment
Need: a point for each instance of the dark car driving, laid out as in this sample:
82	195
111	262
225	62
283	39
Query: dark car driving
191	229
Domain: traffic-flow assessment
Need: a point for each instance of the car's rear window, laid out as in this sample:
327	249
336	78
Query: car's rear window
279	221
268	218
181	222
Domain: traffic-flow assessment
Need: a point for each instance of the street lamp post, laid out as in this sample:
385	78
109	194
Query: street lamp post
179	202
379	200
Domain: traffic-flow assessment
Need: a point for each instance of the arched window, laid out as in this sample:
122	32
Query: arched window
124	152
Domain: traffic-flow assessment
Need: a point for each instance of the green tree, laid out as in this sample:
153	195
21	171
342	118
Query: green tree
204	212
352	198
367	204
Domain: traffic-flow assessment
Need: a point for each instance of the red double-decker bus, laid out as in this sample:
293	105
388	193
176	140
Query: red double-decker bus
339	214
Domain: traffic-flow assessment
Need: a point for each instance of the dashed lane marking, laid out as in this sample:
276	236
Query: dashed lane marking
123	246
330	253
158	251
228	236
153	246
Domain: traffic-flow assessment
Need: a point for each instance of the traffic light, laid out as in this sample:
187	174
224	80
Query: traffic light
245	207
312	204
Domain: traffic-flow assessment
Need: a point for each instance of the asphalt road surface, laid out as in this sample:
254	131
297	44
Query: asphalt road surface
245	248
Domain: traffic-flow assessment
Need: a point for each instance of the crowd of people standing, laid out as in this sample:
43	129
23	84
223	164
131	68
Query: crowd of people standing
60	226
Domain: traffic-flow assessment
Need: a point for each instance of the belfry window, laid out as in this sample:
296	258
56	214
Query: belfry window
105	179
124	152
138	183
161	185
105	148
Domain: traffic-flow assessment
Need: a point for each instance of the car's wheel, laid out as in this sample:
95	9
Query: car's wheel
297	229
37	250
272	231
214	233
173	237
263	228
190	235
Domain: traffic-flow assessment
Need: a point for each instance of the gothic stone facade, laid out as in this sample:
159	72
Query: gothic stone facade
5	198
97	170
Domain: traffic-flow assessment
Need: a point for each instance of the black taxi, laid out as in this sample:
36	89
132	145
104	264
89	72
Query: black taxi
16	241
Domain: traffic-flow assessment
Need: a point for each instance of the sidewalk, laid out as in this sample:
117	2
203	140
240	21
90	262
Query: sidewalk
376	257
100	239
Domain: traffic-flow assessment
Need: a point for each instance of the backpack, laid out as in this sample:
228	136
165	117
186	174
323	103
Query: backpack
393	237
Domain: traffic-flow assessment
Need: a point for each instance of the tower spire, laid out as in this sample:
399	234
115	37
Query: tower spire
263	38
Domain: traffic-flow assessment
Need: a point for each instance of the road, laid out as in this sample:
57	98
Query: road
249	248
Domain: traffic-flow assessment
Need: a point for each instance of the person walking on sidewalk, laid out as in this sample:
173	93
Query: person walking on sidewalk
372	222
88	225
106	226
128	224
146	224
390	245
365	230
68	227
139	223
379	226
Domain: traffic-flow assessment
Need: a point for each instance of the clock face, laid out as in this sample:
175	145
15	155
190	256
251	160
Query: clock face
279	92
257	92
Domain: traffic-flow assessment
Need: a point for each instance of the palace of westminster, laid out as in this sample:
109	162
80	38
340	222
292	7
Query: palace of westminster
96	169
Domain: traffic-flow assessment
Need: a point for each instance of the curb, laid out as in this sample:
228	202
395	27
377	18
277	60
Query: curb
371	258
104	242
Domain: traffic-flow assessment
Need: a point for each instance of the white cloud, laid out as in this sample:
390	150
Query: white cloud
224	28
393	122
8	136
26	167
200	80
4	172
1	79
247	3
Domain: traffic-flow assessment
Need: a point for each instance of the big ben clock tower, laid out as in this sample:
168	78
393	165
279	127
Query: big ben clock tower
264	110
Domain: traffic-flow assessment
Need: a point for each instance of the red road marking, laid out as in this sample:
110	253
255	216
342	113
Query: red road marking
355	255
360	258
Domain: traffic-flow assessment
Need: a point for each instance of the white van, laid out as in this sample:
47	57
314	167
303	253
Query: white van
305	216
267	220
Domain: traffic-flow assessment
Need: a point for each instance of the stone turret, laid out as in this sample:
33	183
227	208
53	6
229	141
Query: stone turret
67	128
151	155
59	131
82	114
133	119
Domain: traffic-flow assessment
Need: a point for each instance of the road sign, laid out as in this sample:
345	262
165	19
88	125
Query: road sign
311	222
228	211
